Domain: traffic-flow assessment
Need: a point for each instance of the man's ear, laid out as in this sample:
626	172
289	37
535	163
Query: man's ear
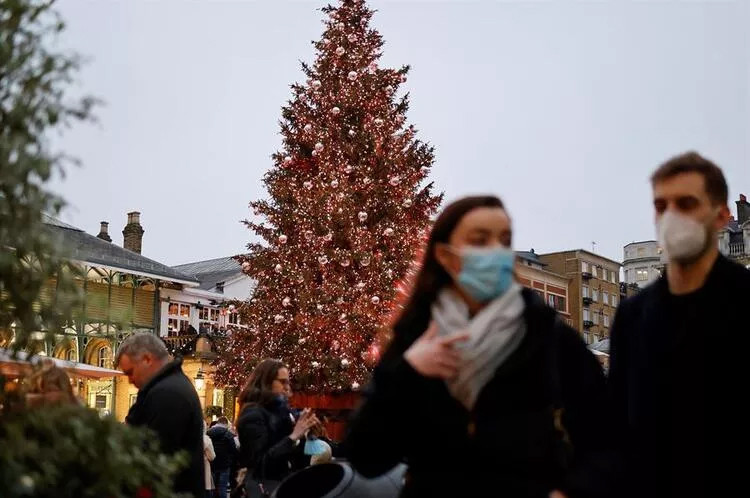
723	218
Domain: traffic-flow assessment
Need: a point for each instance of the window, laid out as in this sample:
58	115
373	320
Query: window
614	301
70	354
595	318
557	302
585	291
234	318
595	295
100	401
605	298
613	277
179	318
209	318
586	315
605	274
218	397
593	271
584	267
641	274
606	320
104	356
220	287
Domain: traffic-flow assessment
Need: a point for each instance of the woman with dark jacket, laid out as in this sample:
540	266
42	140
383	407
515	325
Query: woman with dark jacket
270	437
483	391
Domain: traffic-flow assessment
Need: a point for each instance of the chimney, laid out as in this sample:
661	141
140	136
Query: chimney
104	232
743	209
133	233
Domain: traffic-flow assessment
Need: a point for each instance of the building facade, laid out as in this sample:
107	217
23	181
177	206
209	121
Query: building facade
594	289
121	292
734	239
551	287
642	263
125	292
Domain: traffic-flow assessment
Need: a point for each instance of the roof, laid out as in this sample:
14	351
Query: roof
530	256
213	271
584	251
601	346
22	358
87	248
642	242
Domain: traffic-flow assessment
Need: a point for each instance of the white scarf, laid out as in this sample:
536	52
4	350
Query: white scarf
494	334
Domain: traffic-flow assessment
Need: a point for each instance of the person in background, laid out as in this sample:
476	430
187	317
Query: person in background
269	435
226	454
49	384
678	364
209	455
484	391
167	403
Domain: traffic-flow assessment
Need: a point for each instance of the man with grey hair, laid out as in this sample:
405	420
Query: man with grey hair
167	403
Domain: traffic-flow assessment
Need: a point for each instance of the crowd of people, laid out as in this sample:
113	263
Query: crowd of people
485	391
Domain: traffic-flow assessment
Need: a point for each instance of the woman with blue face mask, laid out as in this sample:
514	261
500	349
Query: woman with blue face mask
271	437
483	391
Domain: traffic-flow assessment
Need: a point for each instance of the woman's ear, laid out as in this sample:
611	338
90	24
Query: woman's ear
448	259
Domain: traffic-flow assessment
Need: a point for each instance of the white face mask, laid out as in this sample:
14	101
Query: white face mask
682	238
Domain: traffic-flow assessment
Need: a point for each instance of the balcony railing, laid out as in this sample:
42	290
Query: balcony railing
587	301
178	342
737	249
196	345
586	275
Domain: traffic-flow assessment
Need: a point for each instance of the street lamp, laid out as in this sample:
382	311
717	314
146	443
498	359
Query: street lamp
200	382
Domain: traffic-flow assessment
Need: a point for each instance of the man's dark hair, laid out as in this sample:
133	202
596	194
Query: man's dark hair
222	420
691	162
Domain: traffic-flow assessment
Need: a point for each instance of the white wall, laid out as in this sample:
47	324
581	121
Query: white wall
239	289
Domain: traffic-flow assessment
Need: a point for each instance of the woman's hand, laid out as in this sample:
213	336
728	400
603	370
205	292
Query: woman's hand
305	421
434	356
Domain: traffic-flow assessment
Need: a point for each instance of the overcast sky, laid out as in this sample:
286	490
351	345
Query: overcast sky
561	107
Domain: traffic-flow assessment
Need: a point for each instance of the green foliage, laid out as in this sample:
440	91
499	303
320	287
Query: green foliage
33	104
69	451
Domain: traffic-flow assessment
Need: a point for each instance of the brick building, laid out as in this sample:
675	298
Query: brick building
551	287
594	289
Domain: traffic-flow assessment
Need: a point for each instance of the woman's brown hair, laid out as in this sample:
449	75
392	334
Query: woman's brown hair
258	388
49	384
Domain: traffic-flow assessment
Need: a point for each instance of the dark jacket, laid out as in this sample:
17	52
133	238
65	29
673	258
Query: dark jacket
678	377
265	447
507	445
169	405
224	447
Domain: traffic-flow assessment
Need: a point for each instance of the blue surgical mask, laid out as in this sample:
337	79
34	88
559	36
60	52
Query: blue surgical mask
486	273
315	447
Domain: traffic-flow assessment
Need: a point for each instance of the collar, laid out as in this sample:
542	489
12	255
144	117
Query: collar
713	279
167	370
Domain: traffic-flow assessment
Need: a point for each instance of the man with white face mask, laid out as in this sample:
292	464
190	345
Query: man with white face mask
678	356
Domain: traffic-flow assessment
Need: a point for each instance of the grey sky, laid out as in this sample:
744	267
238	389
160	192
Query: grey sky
561	107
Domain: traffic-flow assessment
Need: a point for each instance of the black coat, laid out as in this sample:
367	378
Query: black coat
224	447
265	447
507	445
679	379
169	405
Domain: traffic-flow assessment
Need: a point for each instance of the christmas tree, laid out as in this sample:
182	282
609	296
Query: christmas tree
348	210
